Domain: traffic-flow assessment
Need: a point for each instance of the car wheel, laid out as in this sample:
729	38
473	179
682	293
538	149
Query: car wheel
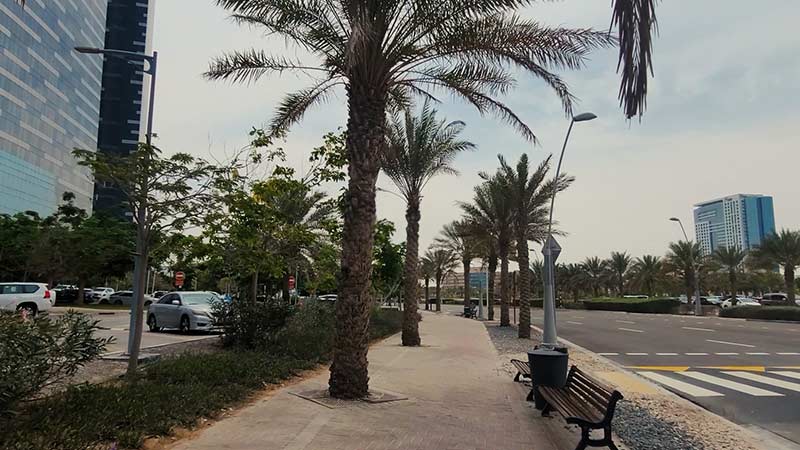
185	325
103	301
118	302
151	322
28	309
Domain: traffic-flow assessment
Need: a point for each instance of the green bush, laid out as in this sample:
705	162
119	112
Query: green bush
763	312
635	305
251	325
39	352
384	322
309	332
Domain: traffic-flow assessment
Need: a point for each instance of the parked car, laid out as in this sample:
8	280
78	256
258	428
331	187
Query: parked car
776	299
711	300
186	311
32	298
102	294
126	298
158	294
740	301
328	297
66	294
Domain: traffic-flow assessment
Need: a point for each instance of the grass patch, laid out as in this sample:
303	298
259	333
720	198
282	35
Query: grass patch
763	312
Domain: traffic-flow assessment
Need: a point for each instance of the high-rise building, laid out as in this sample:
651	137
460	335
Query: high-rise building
49	101
740	220
122	109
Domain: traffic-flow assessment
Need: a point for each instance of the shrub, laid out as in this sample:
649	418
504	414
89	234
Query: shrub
635	305
251	325
384	322
309	332
763	312
39	352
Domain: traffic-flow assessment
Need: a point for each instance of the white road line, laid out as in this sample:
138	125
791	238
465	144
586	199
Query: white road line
726	354
608	354
624	321
788	354
575	323
667	354
785	373
757	353
696	354
686	388
631	330
744	388
697	329
637	354
766	380
730	343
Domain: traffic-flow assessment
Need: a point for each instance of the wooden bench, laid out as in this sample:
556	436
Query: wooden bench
586	402
523	369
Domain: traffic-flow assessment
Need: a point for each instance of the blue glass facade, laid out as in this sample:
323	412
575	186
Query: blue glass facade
49	101
740	220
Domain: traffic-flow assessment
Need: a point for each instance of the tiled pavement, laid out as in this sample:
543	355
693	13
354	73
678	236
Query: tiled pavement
458	398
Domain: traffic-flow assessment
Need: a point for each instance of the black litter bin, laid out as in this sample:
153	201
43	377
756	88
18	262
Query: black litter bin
548	368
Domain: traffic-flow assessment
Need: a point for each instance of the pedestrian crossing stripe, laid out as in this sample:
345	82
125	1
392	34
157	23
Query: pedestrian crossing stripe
733	385
734	368
766	380
680	386
751	383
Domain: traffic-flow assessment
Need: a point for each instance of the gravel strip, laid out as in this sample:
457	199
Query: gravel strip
643	422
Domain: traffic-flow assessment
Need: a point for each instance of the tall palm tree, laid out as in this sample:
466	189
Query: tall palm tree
569	278
491	210
730	259
618	264
646	272
418	148
530	195
682	258
457	238
594	270
782	249
443	262
384	51
427	269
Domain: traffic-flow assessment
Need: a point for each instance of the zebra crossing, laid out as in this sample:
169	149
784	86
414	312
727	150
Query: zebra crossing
701	383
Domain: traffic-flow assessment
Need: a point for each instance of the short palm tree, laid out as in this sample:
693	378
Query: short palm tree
594	271
443	262
458	239
427	270
683	260
530	195
418	149
782	249
491	210
570	279
618	264
382	52
646	272
730	260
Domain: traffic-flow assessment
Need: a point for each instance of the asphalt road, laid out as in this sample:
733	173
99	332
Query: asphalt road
746	371
115	323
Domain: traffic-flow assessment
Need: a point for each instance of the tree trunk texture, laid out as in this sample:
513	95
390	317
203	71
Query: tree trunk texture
254	288
788	278
490	287
505	320
285	288
439	293
140	278
467	294
524	330
427	294
410	336
81	286
349	377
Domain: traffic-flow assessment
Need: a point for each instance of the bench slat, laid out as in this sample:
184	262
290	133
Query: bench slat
570	406
588	394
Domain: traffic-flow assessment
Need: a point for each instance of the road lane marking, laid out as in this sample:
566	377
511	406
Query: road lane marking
624	321
680	386
785	373
733	385
661	368
631	330
696	354
730	343
766	380
575	323
697	329
637	354
757	353
608	354
726	354
737	368
666	354
787	353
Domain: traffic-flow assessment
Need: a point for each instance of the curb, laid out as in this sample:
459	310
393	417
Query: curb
775	441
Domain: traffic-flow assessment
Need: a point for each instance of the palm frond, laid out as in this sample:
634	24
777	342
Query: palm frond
636	23
248	66
294	106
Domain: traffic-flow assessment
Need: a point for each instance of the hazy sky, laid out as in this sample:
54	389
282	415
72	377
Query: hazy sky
722	118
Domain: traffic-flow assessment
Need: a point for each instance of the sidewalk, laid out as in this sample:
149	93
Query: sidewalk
458	398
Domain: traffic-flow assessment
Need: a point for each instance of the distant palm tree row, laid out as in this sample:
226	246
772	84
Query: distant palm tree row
727	270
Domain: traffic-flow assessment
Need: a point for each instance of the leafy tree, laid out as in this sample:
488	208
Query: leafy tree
619	265
456	237
570	278
383	52
163	194
443	261
427	271
419	148
782	249
19	234
387	262
99	246
730	259
683	260
646	272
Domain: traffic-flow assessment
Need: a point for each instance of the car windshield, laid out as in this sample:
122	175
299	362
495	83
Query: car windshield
200	298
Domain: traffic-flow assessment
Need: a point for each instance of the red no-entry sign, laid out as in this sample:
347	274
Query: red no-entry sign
179	278
291	282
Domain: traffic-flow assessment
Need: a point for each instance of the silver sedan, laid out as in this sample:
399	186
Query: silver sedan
186	311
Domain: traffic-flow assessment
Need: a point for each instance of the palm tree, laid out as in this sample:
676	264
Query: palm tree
427	269
491	210
646	272
782	249
682	260
457	238
730	259
443	262
569	278
594	270
537	277
619	265
418	149
530	198
384	51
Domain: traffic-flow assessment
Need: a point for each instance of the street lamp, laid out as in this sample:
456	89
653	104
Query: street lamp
698	307
136	322
551	251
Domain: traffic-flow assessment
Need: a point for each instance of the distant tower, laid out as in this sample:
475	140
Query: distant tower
741	220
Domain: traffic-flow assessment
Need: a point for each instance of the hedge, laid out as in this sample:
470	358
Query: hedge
635	305
763	312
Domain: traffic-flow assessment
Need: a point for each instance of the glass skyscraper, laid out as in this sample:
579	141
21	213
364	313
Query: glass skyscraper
49	101
739	220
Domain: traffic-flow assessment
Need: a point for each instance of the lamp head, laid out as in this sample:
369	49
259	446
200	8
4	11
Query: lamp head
584	117
89	50
674	219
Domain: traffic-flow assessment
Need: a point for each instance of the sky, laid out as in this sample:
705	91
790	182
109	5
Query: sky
722	119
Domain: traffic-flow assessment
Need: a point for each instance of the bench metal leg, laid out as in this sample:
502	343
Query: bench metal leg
584	439
546	410
529	398
516	378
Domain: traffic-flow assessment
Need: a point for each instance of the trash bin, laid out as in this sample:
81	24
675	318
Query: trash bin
548	368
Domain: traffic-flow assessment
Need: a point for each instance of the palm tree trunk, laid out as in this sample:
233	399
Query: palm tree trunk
467	294
349	377
490	287
524	330
411	274
254	287
427	294
438	293
81	286
503	250
788	278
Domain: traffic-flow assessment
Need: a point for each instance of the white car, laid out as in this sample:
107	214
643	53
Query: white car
102	294
186	311
32	298
740	301
328	297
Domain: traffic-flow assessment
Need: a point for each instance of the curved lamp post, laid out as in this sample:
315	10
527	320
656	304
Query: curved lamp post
698	307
